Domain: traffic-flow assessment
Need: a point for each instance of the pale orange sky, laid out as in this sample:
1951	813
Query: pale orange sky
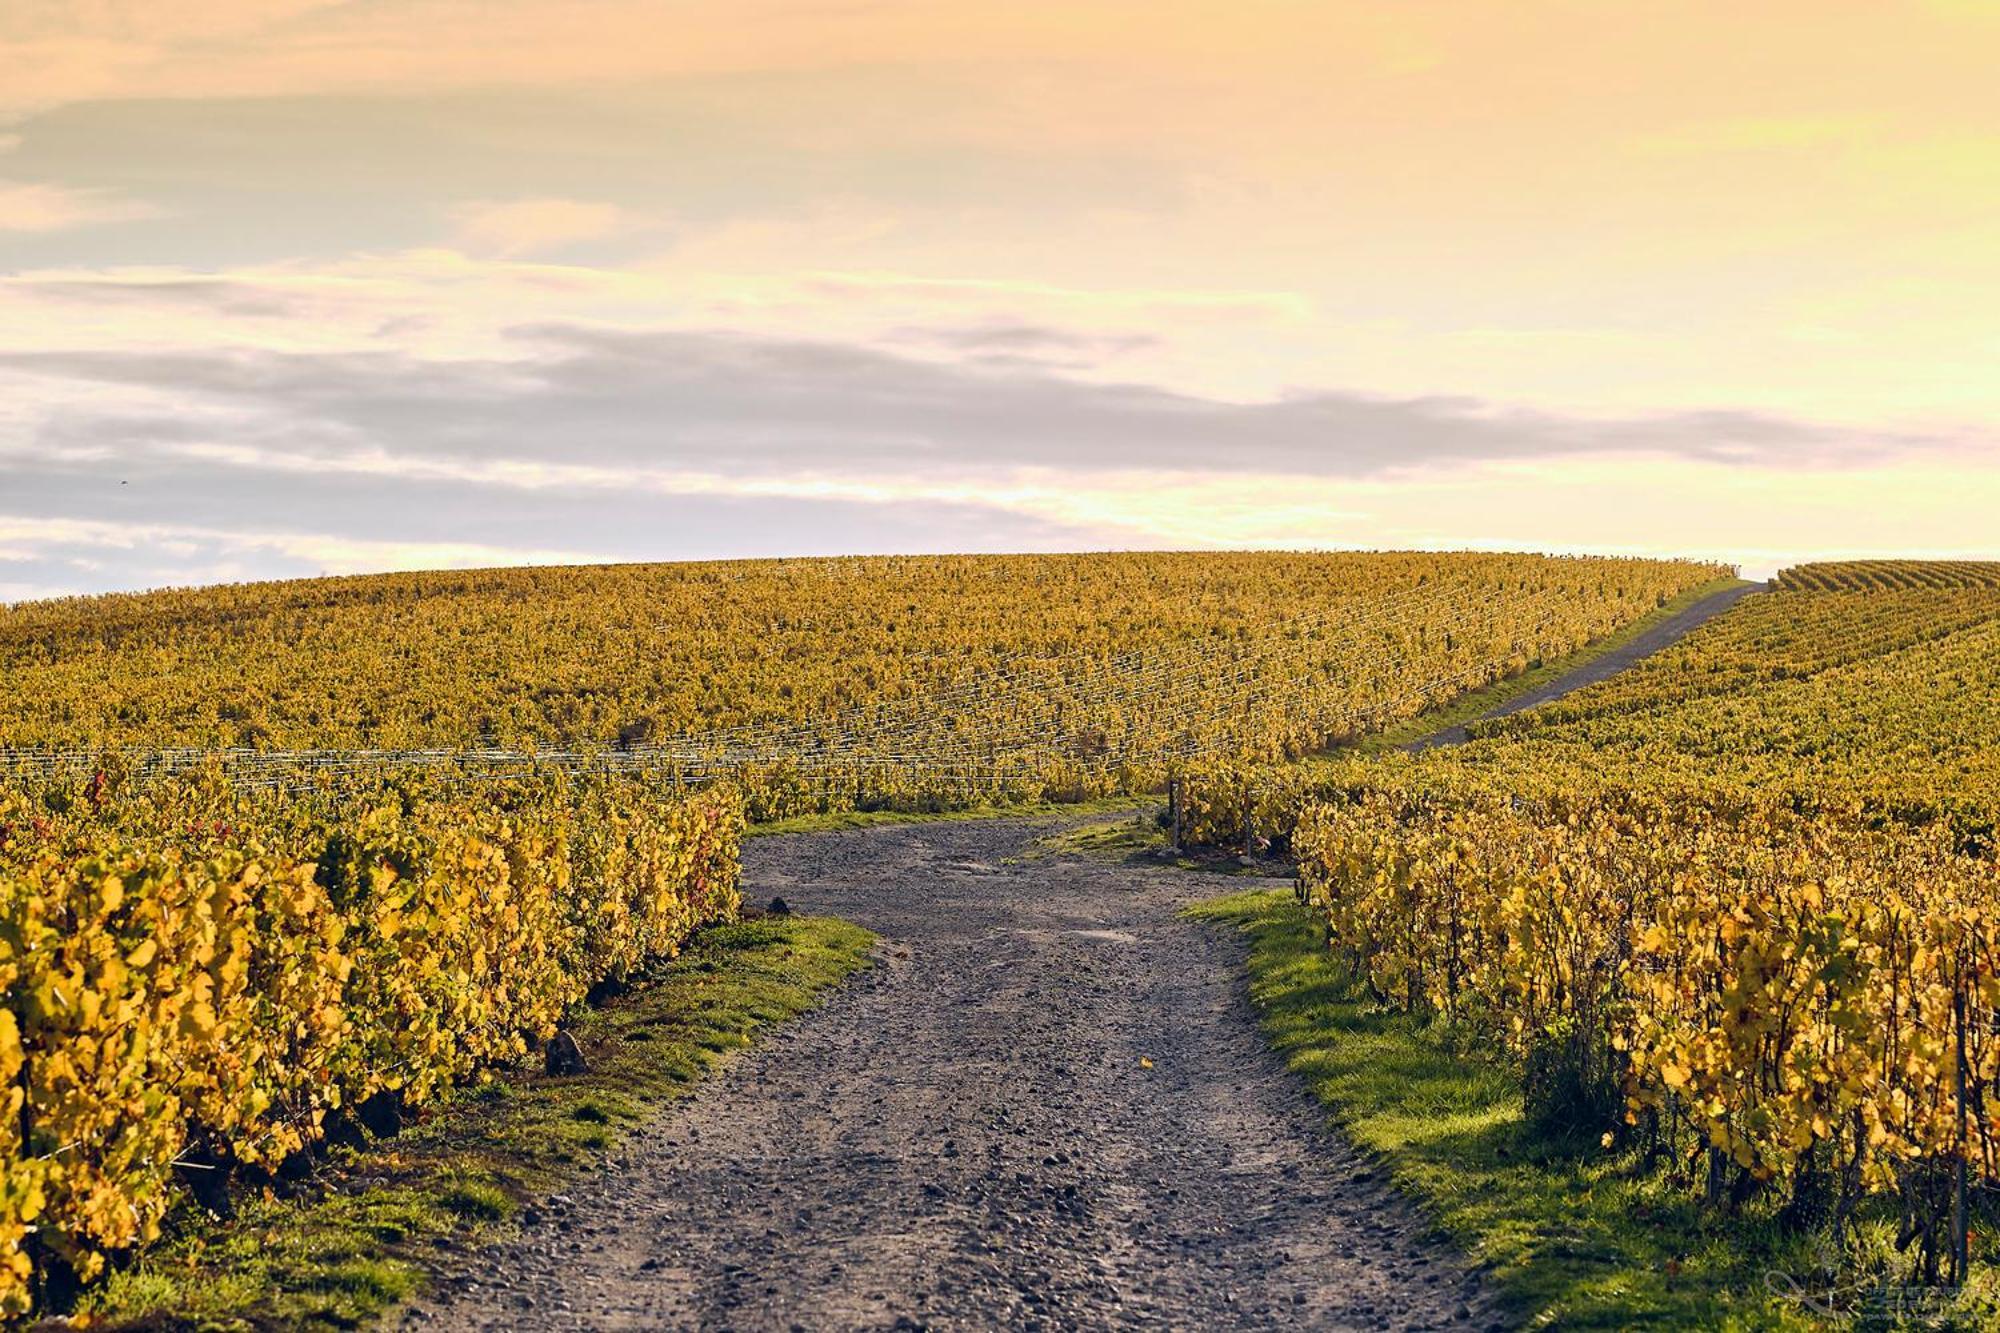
359	285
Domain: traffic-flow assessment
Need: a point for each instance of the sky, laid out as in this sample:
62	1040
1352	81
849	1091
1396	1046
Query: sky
291	287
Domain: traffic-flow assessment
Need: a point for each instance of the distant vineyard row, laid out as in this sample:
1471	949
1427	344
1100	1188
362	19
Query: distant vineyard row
826	683
1864	575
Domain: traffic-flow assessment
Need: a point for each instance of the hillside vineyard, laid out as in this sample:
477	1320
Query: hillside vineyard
919	682
208	966
1737	909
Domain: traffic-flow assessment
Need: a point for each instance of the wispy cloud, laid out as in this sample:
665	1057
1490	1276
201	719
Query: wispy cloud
329	552
1024	344
49	557
756	406
632	445
35	206
515	228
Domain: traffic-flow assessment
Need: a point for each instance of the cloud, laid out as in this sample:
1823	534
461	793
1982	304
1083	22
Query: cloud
223	296
515	228
754	407
1025	344
30	206
328	553
607	444
1161	302
186	518
50	557
519	170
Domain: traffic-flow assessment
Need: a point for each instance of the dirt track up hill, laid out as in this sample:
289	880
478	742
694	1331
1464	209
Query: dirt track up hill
1050	1106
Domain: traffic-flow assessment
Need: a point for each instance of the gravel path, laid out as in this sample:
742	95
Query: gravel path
1662	635
970	1135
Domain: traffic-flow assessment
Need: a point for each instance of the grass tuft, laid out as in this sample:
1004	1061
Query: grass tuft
1135	835
476	1201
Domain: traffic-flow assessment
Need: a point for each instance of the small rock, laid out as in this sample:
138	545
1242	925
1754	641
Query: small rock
564	1056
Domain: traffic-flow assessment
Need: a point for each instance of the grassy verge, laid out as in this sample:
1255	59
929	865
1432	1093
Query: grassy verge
845	819
1139	837
1138	834
1478	703
1575	1238
367	1232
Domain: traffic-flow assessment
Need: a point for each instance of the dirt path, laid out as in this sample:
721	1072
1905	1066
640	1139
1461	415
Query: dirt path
970	1136
1662	635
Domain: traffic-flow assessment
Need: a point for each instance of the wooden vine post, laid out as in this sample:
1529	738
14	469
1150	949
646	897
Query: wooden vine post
1961	1250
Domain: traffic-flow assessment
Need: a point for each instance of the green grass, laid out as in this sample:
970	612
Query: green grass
1575	1238
365	1236
847	819
1106	840
1478	703
1140	836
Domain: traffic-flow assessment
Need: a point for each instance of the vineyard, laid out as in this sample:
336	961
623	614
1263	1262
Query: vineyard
1736	911
278	861
203	983
1863	575
814	685
1732	915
